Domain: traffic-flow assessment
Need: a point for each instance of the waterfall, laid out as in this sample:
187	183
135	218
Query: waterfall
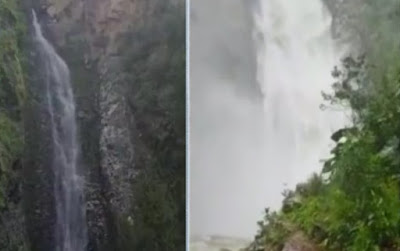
70	229
246	152
295	57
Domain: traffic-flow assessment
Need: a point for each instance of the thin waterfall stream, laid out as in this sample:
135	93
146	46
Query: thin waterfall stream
70	229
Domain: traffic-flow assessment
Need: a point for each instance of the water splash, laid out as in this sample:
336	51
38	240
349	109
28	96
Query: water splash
70	232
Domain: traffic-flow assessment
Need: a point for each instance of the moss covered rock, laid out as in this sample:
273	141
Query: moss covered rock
12	99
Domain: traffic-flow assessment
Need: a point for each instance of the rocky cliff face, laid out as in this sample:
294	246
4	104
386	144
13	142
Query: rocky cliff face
91	37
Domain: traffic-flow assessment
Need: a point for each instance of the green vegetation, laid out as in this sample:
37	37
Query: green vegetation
357	206
354	203
156	75
12	30
12	98
10	150
12	91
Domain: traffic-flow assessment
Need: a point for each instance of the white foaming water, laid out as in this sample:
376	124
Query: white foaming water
243	152
295	56
70	232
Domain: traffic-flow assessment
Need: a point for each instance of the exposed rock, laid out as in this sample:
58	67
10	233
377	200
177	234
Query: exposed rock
52	11
116	146
298	242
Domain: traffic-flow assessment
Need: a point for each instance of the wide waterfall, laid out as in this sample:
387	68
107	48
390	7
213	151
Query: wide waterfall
295	56
246	151
70	231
